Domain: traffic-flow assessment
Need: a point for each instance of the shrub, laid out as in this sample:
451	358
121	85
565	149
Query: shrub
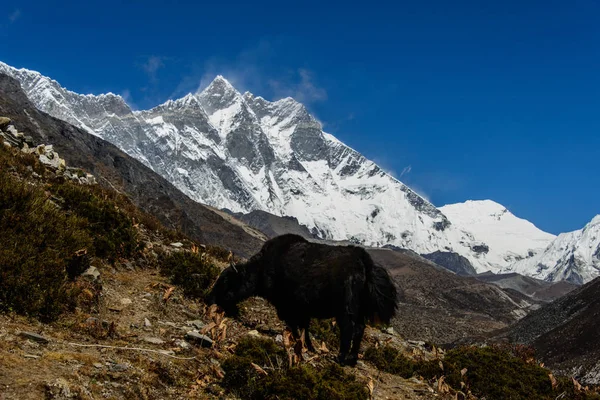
218	253
36	245
494	372
299	382
388	359
325	331
498	374
192	271
112	228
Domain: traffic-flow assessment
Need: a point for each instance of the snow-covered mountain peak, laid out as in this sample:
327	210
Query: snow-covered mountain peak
513	238
572	256
219	91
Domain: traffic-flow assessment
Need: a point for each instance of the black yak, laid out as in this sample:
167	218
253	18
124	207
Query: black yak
305	280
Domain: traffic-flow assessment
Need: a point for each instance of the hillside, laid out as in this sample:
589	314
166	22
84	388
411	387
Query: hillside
565	333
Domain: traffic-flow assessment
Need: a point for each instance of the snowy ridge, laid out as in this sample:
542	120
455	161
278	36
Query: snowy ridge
244	153
572	256
513	238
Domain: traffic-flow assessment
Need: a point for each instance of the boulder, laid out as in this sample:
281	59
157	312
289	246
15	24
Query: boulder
4	122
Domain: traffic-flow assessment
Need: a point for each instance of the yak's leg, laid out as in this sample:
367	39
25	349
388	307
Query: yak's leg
359	330
305	325
349	320
346	330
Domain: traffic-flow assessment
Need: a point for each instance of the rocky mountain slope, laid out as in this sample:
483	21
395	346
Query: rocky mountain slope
442	307
572	256
243	153
118	170
565	333
535	288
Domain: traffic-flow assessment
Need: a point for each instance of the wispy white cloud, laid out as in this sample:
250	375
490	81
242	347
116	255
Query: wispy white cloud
405	171
302	89
126	95
151	66
12	17
248	71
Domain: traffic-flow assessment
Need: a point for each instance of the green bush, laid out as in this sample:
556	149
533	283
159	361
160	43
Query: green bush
192	271
494	372
299	382
325	331
36	245
111	227
388	359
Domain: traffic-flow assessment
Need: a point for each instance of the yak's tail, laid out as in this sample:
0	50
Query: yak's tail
381	292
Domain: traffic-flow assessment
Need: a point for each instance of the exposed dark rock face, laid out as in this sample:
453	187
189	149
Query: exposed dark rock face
480	248
114	168
273	225
565	333
452	261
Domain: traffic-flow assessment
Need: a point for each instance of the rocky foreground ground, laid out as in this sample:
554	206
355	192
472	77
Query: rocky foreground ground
146	340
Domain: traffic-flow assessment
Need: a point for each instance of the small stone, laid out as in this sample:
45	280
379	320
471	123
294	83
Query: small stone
35	337
177	244
98	365
279	339
196	324
118	367
183	344
91	274
171	324
4	122
253	333
154	340
147	323
125	301
202	340
390	331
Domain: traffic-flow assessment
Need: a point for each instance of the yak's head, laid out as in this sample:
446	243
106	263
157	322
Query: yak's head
228	290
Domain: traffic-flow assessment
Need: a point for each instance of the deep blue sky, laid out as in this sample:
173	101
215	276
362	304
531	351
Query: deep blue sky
471	99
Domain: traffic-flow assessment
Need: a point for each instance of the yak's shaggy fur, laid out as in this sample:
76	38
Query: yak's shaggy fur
305	280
